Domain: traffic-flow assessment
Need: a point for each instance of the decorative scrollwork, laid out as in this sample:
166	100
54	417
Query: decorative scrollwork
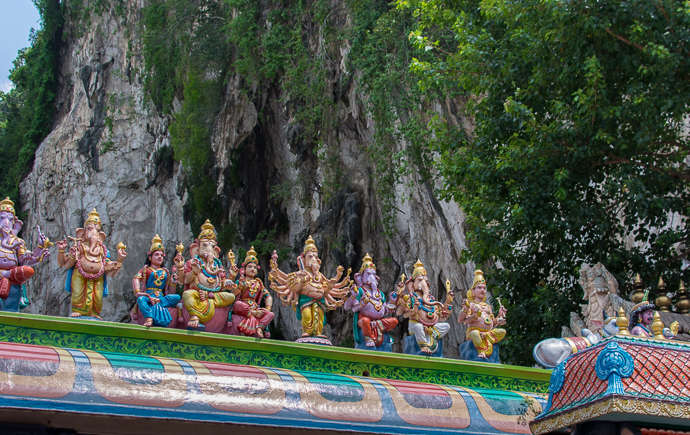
614	363
556	384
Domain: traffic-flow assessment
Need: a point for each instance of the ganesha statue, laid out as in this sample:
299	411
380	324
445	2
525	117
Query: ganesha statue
248	317
482	333
309	292
89	264
15	259
155	290
368	302
206	296
426	316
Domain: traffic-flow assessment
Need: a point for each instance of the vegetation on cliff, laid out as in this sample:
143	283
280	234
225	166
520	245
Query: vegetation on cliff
27	111
580	149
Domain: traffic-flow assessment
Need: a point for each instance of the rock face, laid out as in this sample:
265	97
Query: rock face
110	149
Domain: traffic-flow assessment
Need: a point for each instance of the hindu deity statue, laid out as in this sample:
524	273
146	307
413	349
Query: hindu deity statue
643	321
15	259
154	286
248	317
206	294
482	329
368	303
89	264
426	316
309	292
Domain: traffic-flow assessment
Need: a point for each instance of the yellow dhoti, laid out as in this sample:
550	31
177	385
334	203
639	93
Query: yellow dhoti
484	343
312	317
87	294
205	310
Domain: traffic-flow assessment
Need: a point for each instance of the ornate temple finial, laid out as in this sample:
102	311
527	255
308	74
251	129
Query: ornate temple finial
367	263
658	326
7	205
662	301
637	290
683	304
93	218
251	257
418	269
156	244
309	246
207	231
622	322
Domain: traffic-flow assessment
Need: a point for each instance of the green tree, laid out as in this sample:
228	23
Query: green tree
580	146
27	111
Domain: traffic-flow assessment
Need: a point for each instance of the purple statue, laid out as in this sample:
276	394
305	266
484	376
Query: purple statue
15	260
369	305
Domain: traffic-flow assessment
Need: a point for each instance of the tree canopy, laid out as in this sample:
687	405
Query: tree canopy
580	148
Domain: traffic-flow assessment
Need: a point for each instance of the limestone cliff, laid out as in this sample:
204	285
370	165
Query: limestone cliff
109	149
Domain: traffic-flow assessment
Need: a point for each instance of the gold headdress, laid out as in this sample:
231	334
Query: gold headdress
207	231
309	246
478	279
7	205
93	218
367	263
156	244
418	269
251	257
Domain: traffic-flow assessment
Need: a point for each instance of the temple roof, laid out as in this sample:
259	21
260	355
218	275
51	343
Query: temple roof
85	373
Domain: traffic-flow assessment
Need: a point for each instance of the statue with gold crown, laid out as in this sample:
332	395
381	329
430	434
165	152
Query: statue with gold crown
207	293
368	302
248	316
645	322
309	292
482	331
15	259
89	264
426	316
155	290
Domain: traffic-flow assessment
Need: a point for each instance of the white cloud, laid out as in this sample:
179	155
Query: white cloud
6	86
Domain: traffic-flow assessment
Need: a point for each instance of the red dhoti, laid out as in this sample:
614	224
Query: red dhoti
373	329
18	276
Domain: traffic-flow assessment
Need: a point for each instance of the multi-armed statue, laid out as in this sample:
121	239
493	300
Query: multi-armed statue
15	259
248	317
154	286
427	324
366	300
482	331
206	296
89	264
309	292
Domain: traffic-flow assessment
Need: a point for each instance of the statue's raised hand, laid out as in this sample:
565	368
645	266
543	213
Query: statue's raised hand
196	266
61	245
502	312
179	261
121	254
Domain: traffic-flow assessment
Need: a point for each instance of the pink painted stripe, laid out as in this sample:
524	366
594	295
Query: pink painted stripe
220	369
417	388
28	352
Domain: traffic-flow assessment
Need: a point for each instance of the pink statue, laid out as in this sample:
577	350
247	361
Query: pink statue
369	305
89	264
248	318
206	297
154	286
15	259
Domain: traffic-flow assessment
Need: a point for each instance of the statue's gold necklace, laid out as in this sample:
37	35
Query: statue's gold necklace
253	286
315	281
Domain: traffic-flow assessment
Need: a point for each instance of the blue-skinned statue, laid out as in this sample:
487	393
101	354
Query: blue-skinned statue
15	259
154	287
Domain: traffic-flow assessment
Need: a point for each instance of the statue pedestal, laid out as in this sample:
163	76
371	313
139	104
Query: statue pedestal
469	353
11	303
386	346
315	340
412	348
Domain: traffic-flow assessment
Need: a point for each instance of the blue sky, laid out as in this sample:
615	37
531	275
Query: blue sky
16	20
